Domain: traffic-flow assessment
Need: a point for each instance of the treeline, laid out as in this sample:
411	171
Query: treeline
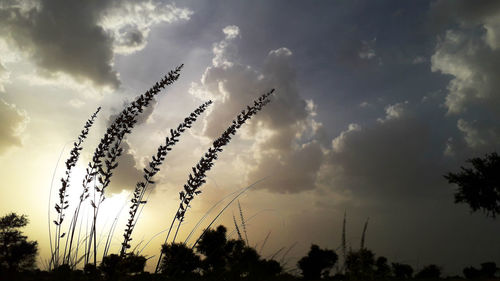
213	257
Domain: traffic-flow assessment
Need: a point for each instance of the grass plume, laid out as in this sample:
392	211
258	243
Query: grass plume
104	161
197	178
63	203
154	164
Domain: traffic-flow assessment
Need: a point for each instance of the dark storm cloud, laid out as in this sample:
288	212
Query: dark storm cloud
130	170
63	36
393	158
12	125
470	53
463	11
285	132
79	37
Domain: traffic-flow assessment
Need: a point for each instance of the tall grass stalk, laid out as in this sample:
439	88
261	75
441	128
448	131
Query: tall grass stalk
264	243
222	211
237	192
344	246
156	161
197	177
49	221
237	228
63	202
362	246
243	223
104	161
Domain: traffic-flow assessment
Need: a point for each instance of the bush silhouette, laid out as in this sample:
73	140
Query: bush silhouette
382	269
402	271
317	263
487	271
179	261
232	259
16	252
360	265
479	186
213	246
115	267
431	271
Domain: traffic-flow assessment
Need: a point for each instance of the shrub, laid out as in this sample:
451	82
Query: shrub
16	252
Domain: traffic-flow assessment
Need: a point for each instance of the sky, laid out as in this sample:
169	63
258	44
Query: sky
375	101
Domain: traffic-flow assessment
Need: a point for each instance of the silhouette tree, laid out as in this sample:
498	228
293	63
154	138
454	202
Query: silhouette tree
360	265
317	263
179	261
241	260
233	259
116	267
471	272
479	186
431	271
16	252
402	271
382	269
489	269
213	246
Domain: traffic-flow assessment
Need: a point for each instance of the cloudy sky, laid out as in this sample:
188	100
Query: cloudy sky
375	101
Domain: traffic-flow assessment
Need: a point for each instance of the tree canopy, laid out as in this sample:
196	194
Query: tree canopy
16	252
479	185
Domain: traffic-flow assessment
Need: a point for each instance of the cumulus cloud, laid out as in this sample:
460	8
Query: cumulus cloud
12	126
367	51
386	160
479	134
284	134
130	22
469	54
130	170
4	77
80	38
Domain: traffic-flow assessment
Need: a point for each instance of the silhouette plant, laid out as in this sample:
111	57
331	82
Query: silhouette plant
16	252
179	261
154	165
115	267
125	121
98	174
431	271
63	203
197	178
317	263
232	259
479	186
402	271
487	271
382	269
360	265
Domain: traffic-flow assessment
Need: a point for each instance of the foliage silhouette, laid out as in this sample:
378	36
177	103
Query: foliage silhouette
179	261
402	271
479	186
212	246
382	269
431	271
16	252
360	265
232	259
317	263
115	267
487	271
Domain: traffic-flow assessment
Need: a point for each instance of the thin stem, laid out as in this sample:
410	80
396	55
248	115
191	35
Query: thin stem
197	178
